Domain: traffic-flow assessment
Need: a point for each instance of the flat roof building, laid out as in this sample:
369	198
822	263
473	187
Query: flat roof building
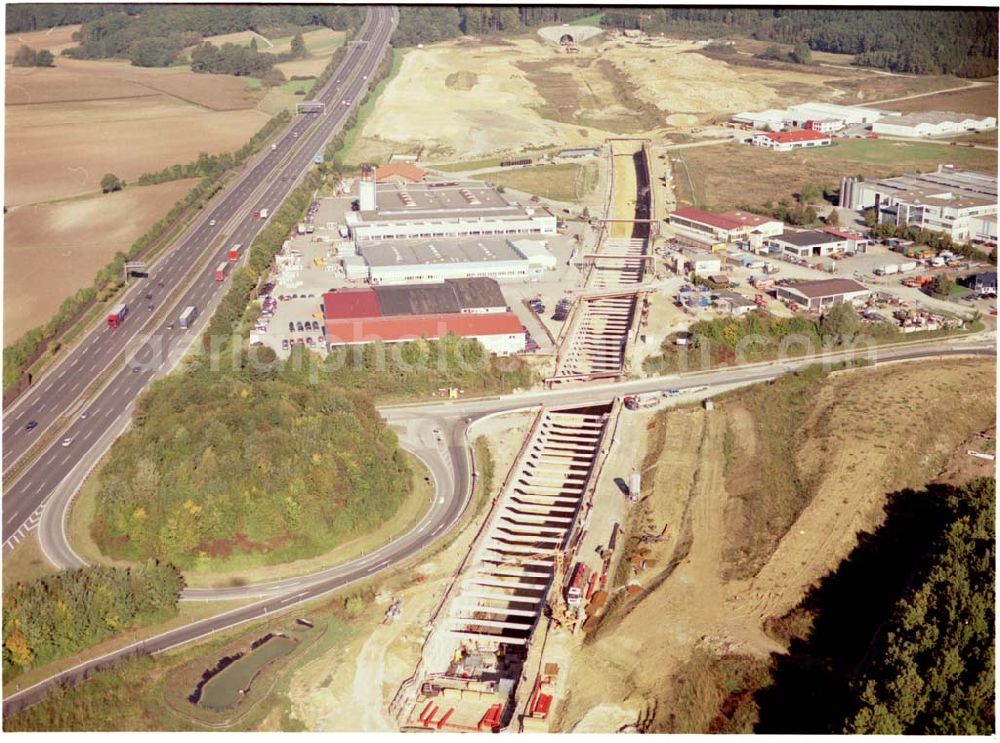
472	296
808	243
948	200
708	227
787	141
394	314
399	211
500	333
933	124
818	295
403	261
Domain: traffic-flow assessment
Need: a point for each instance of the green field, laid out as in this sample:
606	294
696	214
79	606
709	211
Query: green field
563	182
906	155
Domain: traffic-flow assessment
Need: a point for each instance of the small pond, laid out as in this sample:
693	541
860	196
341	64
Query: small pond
224	686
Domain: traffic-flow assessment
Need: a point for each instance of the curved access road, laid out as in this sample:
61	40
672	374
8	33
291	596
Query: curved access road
91	390
439	434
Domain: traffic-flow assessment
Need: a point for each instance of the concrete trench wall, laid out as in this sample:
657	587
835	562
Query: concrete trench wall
499	597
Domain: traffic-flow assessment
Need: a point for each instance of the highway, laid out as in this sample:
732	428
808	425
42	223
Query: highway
148	343
439	434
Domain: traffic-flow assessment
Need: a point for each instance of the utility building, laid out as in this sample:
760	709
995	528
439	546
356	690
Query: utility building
818	295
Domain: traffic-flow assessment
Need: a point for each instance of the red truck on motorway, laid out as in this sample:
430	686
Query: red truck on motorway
234	252
221	271
117	315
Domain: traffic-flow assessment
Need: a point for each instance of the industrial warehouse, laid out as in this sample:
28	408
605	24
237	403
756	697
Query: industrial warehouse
402	261
469	308
399	211
959	203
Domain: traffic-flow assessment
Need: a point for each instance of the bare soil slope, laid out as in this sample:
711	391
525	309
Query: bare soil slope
866	435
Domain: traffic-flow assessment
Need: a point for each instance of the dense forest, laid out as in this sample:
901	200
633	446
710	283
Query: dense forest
900	638
427	24
921	41
154	35
931	669
57	615
217	462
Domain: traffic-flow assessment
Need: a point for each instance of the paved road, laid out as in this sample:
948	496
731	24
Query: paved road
144	341
439	434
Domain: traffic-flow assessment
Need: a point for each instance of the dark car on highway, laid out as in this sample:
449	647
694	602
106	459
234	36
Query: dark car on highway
31	426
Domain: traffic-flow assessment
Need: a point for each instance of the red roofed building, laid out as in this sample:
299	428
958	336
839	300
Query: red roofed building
733	226
500	333
785	141
399	172
351	303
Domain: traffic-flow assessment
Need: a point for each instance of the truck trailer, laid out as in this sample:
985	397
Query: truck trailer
187	317
117	315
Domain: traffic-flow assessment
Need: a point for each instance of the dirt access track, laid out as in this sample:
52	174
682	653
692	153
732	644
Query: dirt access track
865	435
496	96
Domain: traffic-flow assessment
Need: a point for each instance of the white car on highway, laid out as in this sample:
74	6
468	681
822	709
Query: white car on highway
67	442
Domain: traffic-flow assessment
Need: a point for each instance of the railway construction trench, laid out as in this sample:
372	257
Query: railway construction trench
595	344
472	662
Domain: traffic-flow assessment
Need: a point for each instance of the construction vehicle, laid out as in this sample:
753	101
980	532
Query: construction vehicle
556	603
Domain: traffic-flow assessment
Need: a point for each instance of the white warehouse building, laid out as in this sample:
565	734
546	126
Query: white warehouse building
409	211
958	203
933	124
412	261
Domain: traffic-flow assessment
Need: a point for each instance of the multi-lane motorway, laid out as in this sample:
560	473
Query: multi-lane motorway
149	340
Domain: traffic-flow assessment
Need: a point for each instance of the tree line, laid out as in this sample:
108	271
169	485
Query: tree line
57	615
155	35
427	24
922	41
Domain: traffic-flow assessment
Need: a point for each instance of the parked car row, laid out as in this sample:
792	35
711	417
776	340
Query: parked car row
287	343
305	326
